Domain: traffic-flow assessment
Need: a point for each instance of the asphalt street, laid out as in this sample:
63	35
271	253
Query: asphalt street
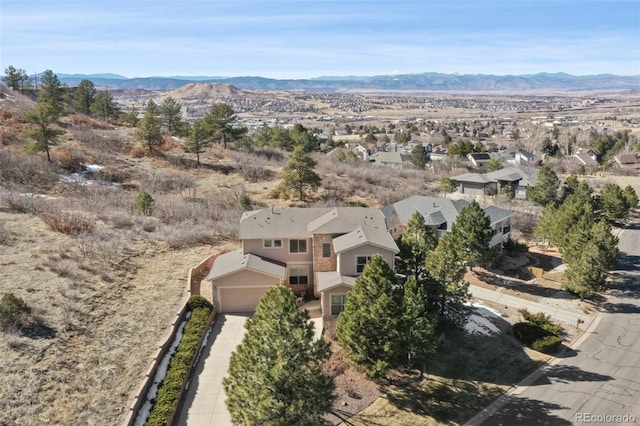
598	382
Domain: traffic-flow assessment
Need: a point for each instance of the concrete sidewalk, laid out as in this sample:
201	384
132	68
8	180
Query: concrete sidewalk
568	316
204	404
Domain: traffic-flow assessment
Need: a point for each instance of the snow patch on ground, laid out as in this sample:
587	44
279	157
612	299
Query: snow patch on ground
479	322
82	179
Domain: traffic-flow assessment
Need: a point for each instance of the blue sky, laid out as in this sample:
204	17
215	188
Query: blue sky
303	38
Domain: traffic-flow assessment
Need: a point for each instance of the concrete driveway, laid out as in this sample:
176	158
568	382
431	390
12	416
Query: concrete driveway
204	404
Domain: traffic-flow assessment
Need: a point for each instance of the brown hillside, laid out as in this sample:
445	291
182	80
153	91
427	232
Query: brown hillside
204	91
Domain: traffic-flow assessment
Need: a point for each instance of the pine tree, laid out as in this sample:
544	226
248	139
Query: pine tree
613	202
369	328
171	115
447	291
631	198
52	91
197	141
105	107
545	190
472	234
275	375
298	175
149	128
418	328
43	115
415	241
84	97
219	123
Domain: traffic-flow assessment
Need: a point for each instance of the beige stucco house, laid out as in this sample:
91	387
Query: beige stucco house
317	252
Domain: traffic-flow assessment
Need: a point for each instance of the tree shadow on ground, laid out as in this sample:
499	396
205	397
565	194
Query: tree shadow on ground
526	411
523	287
569	374
189	163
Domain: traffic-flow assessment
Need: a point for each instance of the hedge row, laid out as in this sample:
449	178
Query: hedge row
180	365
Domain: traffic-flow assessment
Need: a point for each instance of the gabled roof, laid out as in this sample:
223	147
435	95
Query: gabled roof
387	157
433	209
236	261
437	211
340	220
328	280
527	176
586	160
496	214
479	156
471	177
365	236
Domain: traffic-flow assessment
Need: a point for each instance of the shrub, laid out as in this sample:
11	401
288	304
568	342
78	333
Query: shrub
14	312
22	203
244	202
180	365
542	320
68	223
447	185
145	203
547	345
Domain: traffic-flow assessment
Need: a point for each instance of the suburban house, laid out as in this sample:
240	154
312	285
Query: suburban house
519	157
628	161
390	159
441	213
317	252
480	160
516	178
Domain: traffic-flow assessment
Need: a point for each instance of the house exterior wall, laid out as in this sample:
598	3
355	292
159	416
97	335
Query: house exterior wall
323	264
472	188
325	298
347	259
281	254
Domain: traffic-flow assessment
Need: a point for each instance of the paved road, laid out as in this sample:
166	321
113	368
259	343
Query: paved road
598	383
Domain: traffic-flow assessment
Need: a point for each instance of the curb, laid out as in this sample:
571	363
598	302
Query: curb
533	376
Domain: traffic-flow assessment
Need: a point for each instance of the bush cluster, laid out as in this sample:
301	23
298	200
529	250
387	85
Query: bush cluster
68	223
536	337
180	366
14	312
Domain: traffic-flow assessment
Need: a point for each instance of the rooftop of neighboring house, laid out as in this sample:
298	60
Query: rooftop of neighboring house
526	176
436	211
387	157
586	159
297	222
480	156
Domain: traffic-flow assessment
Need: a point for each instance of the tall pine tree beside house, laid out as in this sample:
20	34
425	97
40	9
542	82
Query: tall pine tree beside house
275	375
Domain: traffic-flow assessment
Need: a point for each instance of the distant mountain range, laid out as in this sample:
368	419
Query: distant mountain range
406	82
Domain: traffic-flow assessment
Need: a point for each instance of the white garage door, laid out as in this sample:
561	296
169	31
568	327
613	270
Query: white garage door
240	299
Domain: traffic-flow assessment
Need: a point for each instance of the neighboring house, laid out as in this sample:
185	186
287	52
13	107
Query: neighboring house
480	160
587	160
390	159
519	157
628	161
517	178
441	213
314	251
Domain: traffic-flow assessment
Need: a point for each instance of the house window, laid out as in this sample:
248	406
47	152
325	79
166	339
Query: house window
326	249
299	275
360	262
337	303
272	243
297	246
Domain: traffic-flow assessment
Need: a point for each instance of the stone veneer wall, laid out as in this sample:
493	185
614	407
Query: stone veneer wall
322	264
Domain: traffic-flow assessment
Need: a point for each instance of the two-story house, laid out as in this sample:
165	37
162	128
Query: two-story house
314	251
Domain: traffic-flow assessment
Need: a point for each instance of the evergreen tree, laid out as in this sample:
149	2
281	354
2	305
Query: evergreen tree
149	128
105	107
84	97
300	136
631	198
613	202
418	328
15	78
545	190
584	275
197	141
298	175
219	124
494	164
369	328
472	234
43	115
447	291
415	241
419	157
171	115
275	375
52	91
